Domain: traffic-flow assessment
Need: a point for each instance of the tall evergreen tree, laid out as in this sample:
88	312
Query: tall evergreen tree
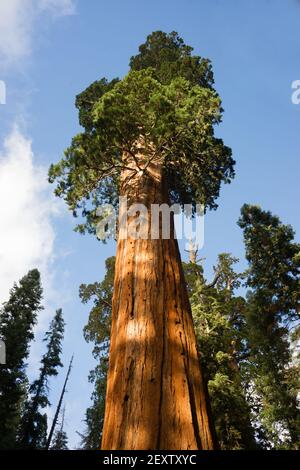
33	428
17	318
150	138
220	329
273	307
97	331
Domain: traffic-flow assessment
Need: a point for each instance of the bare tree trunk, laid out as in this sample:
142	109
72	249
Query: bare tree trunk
156	397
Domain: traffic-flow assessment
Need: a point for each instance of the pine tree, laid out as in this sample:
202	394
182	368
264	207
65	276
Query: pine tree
272	309
17	318
33	428
150	139
97	331
219	322
60	439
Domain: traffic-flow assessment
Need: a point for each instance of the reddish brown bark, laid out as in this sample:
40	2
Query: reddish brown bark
156	398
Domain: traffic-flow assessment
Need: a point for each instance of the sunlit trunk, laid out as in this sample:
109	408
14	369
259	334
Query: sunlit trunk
156	398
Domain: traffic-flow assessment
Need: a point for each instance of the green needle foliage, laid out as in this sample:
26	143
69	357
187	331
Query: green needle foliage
165	108
273	309
33	428
220	329
171	57
97	331
17	318
60	438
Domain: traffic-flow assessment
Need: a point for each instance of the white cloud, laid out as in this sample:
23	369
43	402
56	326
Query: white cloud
16	17
26	208
17	21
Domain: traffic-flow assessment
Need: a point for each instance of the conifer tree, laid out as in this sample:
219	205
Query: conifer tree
60	439
272	310
33	428
220	330
97	331
150	139
17	319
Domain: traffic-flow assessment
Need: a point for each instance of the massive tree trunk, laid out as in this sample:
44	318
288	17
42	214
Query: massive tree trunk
156	397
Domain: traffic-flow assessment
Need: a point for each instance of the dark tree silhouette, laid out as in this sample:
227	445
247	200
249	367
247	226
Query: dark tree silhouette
17	318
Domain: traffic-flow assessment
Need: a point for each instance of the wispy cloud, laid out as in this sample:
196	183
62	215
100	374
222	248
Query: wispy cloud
27	233
16	18
17	23
26	208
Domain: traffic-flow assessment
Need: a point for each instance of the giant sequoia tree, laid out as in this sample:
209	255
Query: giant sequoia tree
220	332
150	137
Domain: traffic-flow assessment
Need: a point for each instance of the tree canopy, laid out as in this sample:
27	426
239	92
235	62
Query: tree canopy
97	331
272	313
166	108
17	319
33	427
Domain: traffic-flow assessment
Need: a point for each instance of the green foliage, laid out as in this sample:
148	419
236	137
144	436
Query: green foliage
171	58
53	339
60	441
253	380
97	331
274	259
33	427
86	100
17	318
164	107
272	309
219	324
60	438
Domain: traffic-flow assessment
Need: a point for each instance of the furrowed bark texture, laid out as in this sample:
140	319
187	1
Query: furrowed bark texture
156	397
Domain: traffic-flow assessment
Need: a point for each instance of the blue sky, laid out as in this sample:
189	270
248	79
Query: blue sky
50	50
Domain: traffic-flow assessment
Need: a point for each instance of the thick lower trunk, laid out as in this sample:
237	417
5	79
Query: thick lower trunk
156	398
